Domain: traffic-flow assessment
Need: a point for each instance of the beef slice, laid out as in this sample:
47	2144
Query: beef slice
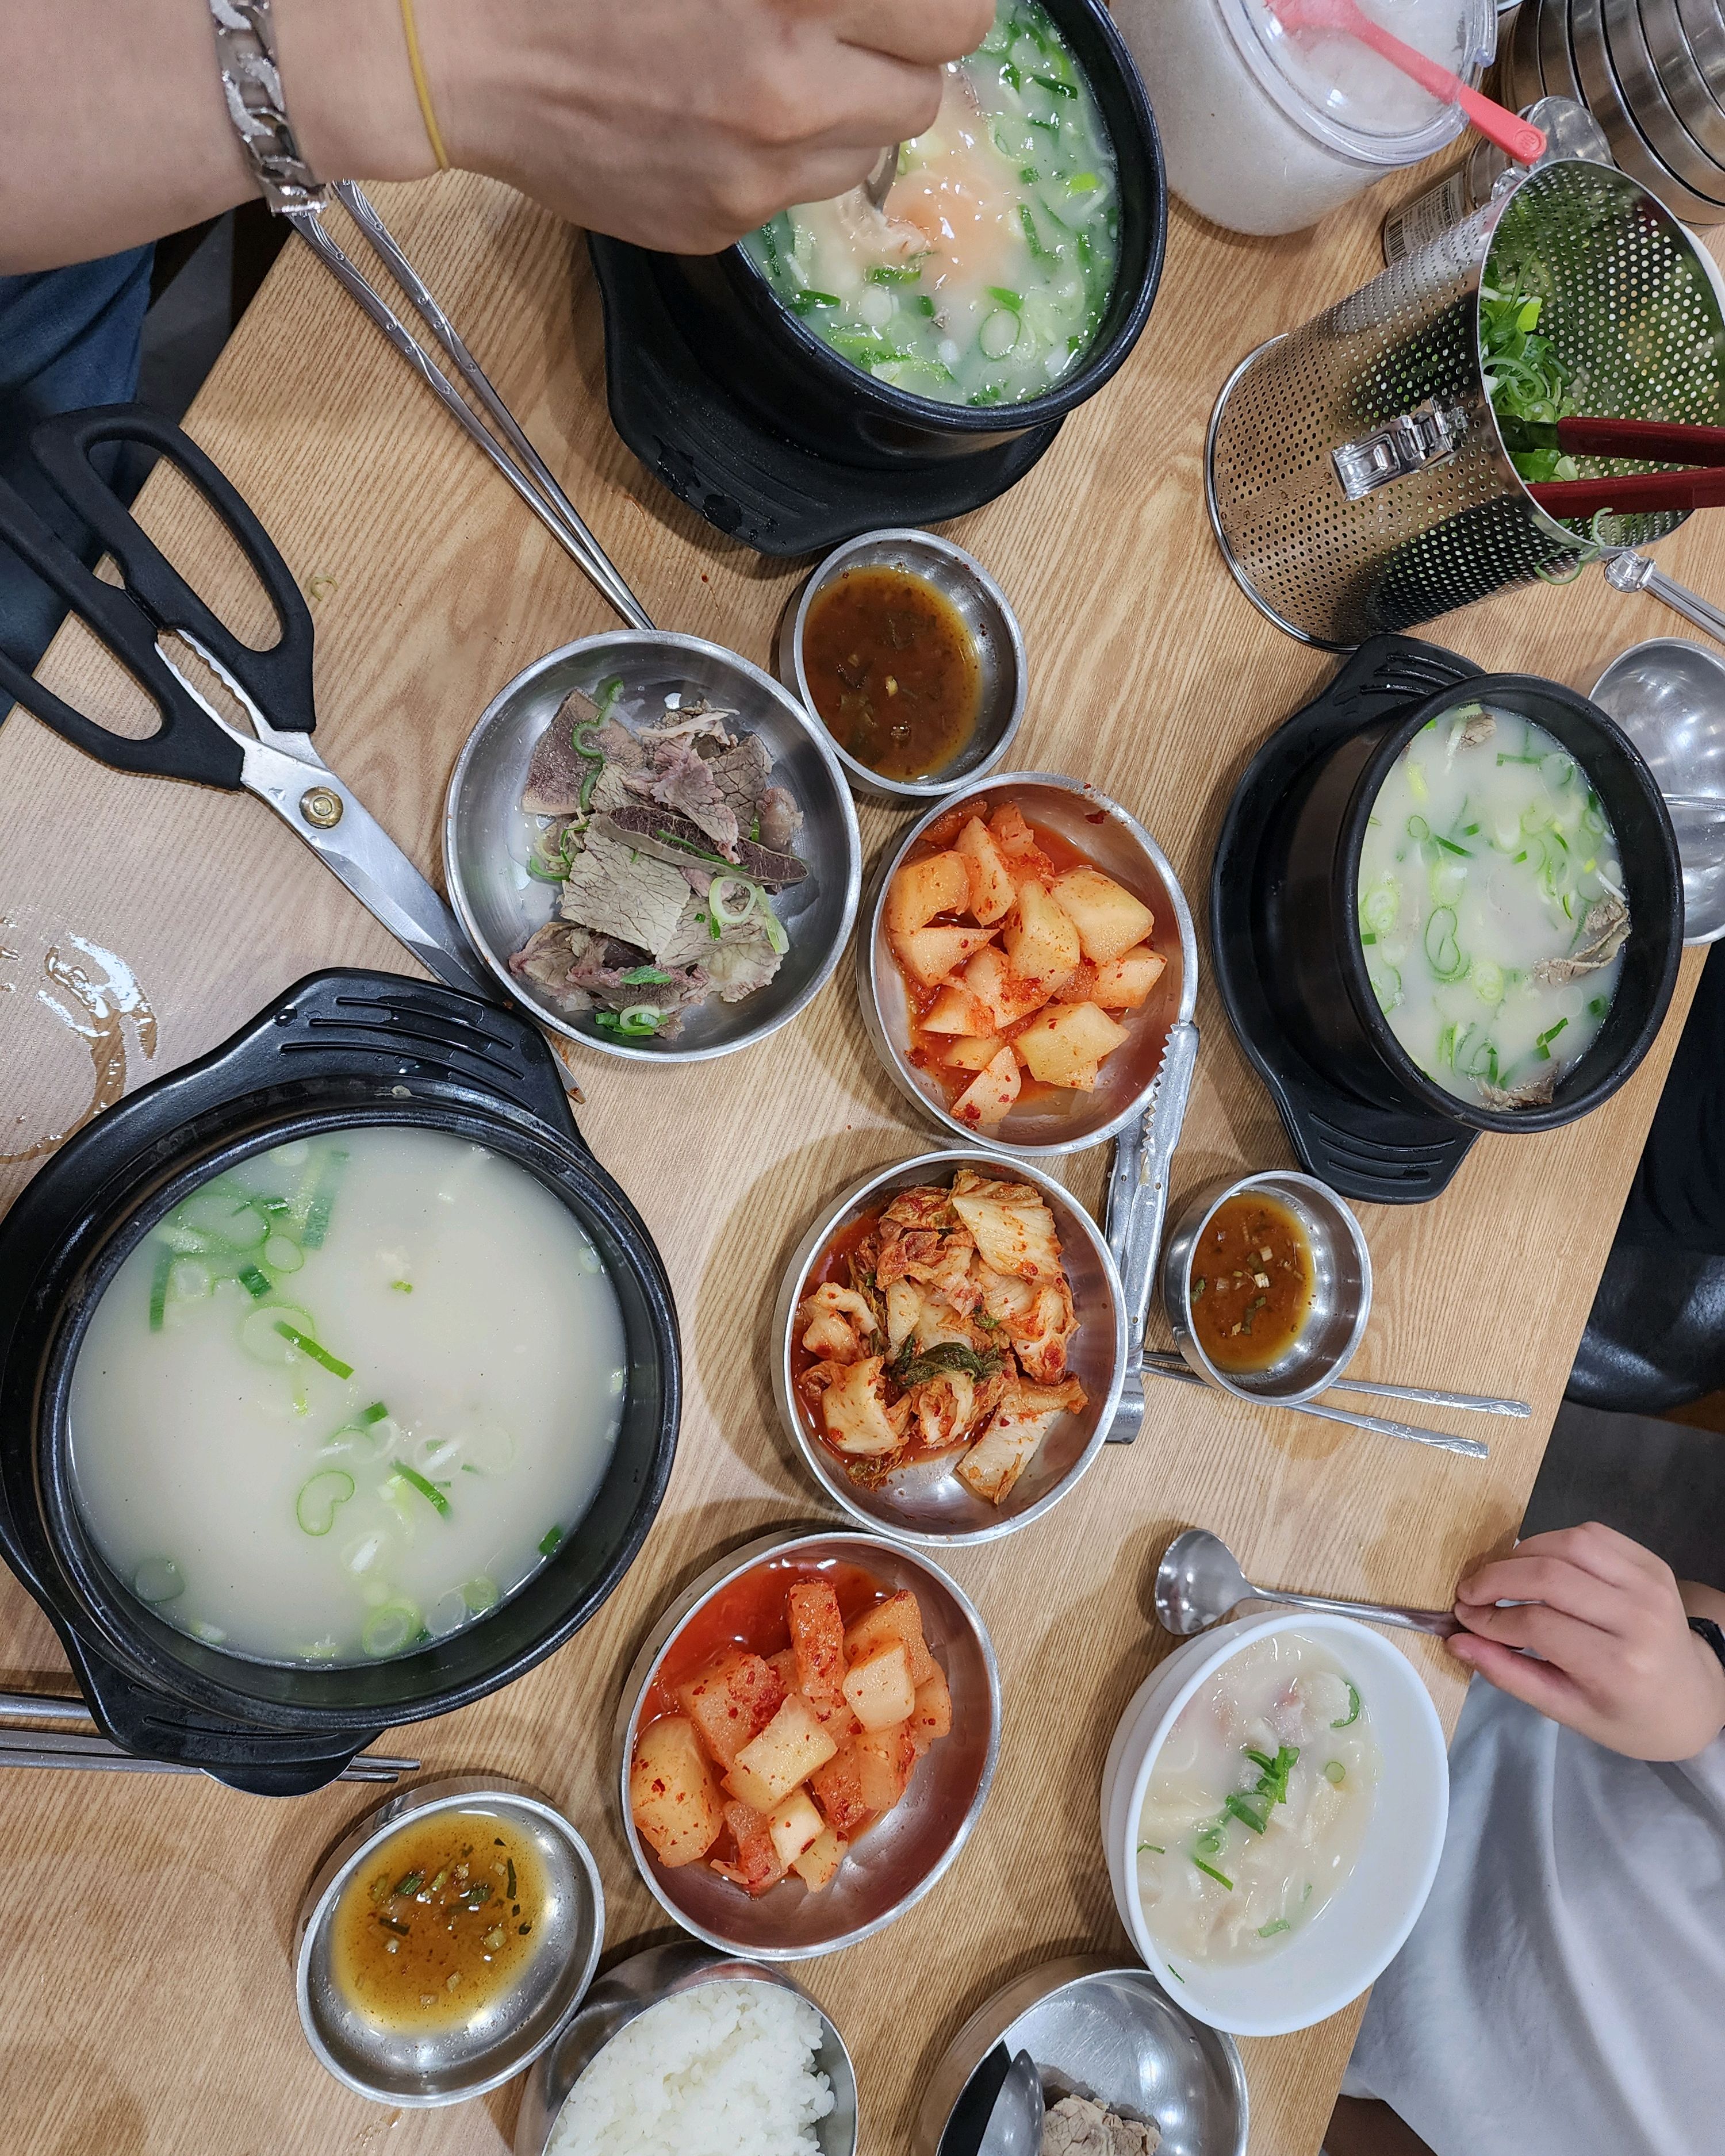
615	890
557	767
546	959
741	776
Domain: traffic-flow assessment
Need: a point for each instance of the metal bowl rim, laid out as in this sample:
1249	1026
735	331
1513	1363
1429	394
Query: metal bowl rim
1641	83
757	678
985	2026
861	777
442	1793
868	992
1194	1216
781	1542
825	1226
1634	651
721	1967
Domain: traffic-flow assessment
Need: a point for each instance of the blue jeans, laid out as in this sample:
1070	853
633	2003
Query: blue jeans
68	338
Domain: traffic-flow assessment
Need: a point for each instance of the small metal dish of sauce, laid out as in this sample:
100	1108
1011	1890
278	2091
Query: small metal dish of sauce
1276	1327
446	1941
904	647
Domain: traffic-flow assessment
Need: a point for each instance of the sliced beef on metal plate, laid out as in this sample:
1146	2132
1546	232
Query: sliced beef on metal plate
616	889
557	767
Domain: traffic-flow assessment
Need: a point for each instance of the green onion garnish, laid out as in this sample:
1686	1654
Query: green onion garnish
410	1882
1335	1772
403	1287
429	1490
1352	1715
1210	1872
377	1412
318	1219
1155	1848
1275	1924
549	1540
333	1363
1241	1811
511	1879
158	1286
257	1282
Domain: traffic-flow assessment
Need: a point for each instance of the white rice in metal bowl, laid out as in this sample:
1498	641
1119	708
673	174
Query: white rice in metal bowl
722	2068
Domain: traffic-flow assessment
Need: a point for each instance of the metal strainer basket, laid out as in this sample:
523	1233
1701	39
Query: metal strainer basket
1357	479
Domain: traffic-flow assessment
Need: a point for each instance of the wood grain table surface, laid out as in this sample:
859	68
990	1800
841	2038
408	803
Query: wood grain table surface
147	1923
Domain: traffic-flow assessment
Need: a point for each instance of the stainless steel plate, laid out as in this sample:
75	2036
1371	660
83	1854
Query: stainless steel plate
642	1982
464	2060
1642	81
1604	96
487	836
1523	85
1704	31
1107	2033
1122	848
926	1502
896	1862
1682	76
1557	59
994	627
1668	696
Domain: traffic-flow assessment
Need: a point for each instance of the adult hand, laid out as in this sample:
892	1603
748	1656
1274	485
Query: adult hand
1618	1661
682	124
679	123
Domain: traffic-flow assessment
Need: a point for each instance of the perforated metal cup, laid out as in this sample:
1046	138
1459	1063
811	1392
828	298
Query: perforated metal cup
1357	479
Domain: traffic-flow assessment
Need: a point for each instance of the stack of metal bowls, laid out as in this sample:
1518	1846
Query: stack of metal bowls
1652	71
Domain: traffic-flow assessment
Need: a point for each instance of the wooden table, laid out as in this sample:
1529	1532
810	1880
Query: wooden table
147	1924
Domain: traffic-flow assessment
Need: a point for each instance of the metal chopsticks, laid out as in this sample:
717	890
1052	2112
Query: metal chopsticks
50	1744
1381	1426
525	470
1424	1395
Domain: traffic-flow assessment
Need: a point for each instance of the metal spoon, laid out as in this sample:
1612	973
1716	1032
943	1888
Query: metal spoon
1200	1581
882	175
1627	571
1014	2127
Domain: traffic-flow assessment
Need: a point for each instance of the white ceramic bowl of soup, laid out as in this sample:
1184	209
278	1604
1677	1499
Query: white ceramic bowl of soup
1321	1966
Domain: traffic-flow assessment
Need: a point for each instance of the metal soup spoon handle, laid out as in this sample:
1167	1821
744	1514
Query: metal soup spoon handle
1200	1581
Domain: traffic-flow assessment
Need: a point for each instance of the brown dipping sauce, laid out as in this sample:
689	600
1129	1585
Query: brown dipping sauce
1252	1283
891	665
438	1922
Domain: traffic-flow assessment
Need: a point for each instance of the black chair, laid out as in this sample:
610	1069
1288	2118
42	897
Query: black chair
1655	1336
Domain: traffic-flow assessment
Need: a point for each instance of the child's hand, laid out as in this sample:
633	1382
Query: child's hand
1618	1661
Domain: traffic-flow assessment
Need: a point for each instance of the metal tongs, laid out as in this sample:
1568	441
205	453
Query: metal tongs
515	456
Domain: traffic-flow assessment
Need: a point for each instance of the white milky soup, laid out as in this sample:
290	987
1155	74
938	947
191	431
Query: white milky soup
347	1396
1492	912
1260	1800
985	275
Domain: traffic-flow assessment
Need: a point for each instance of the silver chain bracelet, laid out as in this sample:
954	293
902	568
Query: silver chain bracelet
251	82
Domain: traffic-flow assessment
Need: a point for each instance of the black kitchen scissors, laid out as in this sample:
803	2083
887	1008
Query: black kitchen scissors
276	761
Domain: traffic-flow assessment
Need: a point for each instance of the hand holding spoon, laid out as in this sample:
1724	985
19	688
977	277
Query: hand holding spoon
1200	1581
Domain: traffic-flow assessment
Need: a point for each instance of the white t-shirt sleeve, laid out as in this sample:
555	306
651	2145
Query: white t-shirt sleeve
1564	1988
